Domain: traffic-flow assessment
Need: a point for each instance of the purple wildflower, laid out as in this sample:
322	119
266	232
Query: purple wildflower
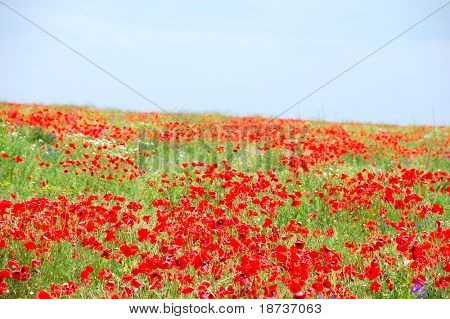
419	291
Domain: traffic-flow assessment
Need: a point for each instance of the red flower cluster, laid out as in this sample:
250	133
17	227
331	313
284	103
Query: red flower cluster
310	226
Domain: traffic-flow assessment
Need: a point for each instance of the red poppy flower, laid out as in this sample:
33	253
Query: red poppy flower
129	251
86	274
18	159
5	273
3	287
375	286
373	271
104	274
43	295
442	282
30	246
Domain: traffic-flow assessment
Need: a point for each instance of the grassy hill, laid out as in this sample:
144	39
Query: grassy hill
105	203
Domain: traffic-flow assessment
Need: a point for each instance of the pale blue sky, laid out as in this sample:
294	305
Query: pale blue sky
235	57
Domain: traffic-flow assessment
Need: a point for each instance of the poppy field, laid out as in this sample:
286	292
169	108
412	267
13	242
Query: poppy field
113	204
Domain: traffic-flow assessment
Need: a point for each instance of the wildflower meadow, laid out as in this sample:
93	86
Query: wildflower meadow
112	204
